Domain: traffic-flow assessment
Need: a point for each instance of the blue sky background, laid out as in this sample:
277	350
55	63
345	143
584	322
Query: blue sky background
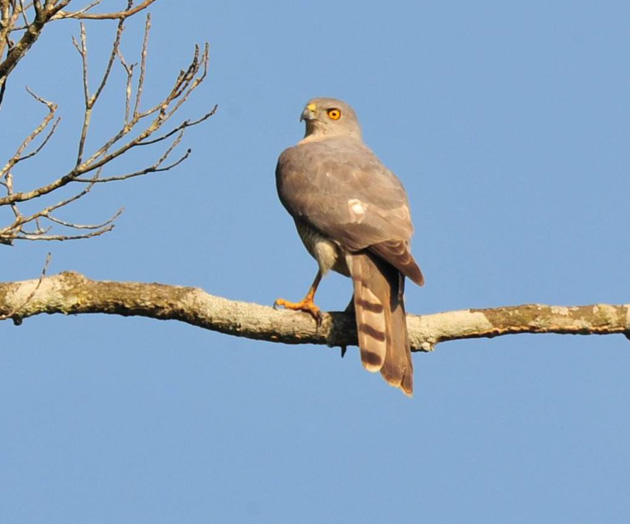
507	121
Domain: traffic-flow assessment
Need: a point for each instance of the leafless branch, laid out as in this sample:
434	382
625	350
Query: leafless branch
81	11
143	64
182	126
57	294
18	157
140	127
41	235
90	100
87	226
155	168
118	15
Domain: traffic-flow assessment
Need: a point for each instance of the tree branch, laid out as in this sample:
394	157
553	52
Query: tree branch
153	126
72	294
29	37
118	15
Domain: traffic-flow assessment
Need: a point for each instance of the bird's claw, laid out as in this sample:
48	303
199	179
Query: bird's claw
306	305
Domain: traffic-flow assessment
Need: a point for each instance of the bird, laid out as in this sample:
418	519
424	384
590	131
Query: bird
352	214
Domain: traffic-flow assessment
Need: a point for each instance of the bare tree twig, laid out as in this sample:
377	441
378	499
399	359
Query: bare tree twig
17	157
83	10
129	70
41	146
102	225
90	100
58	294
143	65
41	235
119	15
183	125
155	168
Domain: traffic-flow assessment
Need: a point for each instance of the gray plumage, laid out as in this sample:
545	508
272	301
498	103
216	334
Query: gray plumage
353	216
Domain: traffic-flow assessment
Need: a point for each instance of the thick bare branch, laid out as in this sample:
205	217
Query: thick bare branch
71	293
31	33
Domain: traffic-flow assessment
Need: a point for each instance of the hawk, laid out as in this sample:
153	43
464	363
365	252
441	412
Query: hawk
352	215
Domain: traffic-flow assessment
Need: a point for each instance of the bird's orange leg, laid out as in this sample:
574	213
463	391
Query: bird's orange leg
306	304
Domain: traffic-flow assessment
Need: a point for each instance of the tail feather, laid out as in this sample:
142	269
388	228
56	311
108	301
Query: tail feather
369	310
398	367
381	320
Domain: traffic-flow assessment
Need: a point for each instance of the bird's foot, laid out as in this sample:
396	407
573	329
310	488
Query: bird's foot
306	304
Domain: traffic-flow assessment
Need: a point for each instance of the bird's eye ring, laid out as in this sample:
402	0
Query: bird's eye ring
334	114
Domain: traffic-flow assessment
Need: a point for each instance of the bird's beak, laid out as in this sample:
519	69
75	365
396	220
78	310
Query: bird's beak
309	112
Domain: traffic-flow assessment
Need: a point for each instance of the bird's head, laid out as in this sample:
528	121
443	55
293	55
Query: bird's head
330	117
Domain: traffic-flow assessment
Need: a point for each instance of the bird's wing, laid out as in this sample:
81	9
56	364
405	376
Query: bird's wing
340	188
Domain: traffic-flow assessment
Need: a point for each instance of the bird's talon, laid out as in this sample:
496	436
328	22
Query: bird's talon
306	305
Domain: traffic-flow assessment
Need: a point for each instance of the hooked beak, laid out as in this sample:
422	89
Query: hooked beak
309	112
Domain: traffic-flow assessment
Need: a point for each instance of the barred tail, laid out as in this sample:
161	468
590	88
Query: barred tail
381	320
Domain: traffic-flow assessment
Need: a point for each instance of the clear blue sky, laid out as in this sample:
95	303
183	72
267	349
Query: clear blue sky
509	124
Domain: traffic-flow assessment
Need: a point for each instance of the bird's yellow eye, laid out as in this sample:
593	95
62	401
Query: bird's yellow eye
334	114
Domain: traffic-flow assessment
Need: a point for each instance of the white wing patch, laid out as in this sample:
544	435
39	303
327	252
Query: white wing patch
357	210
